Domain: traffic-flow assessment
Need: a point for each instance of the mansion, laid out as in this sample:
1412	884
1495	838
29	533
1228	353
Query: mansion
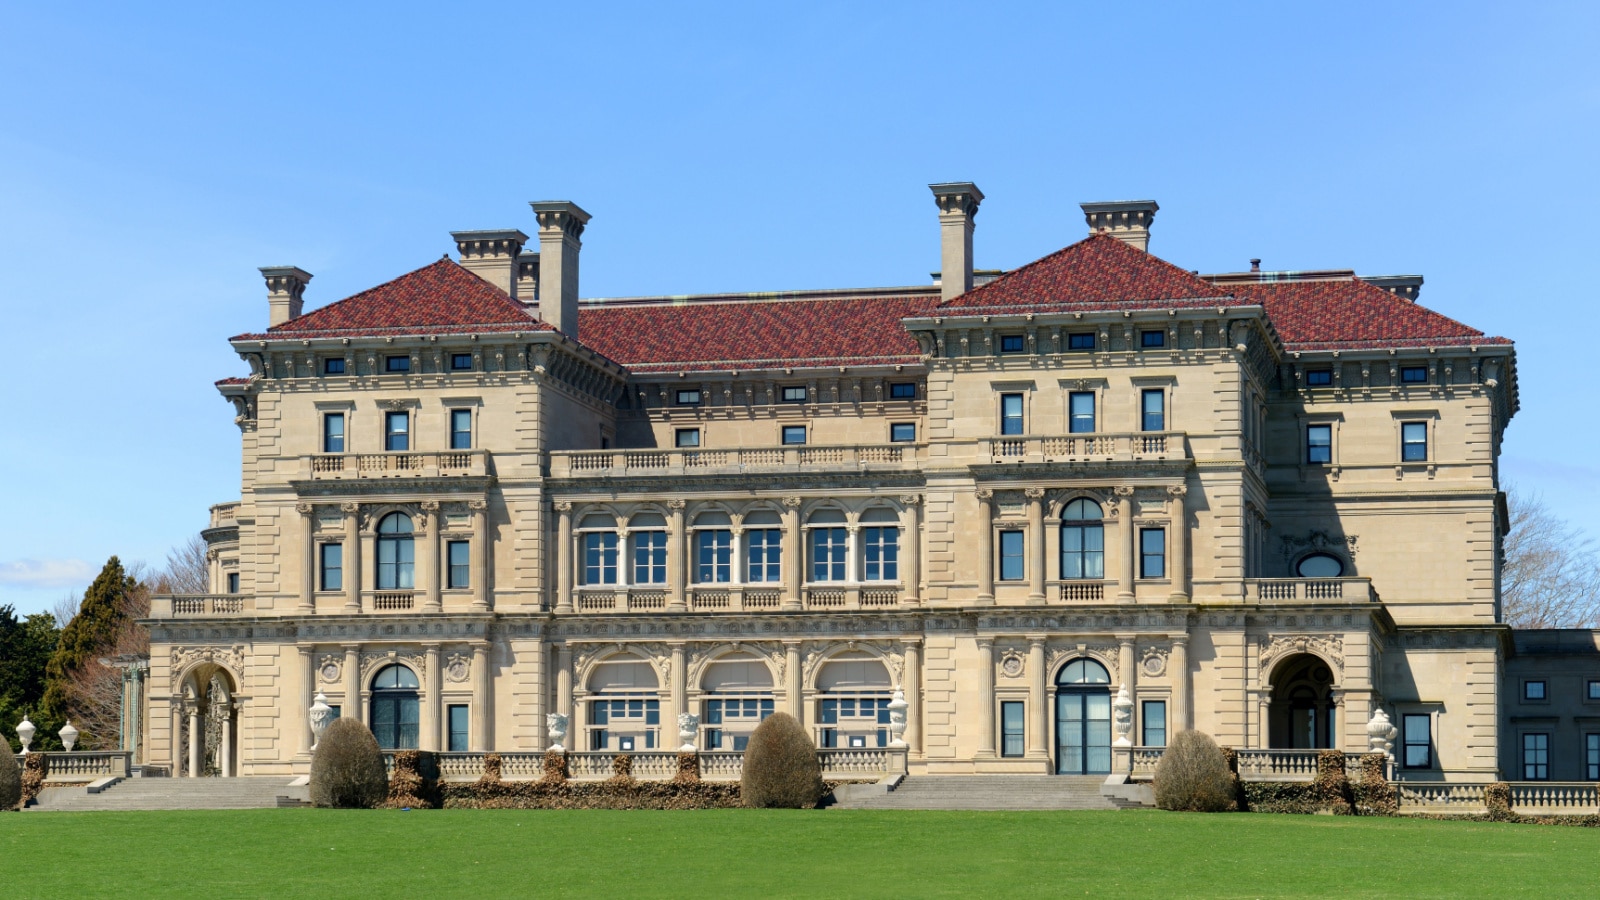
1260	504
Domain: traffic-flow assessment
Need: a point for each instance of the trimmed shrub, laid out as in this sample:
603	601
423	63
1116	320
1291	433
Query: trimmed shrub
780	766
347	770
10	780
1193	775
688	768
1373	794
34	770
414	784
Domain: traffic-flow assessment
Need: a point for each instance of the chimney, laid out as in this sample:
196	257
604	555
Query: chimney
1406	287
286	286
1126	220
527	278
561	225
492	255
958	207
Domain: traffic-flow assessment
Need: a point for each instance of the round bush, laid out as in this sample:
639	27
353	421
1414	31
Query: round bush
780	766
10	780
347	770
1193	775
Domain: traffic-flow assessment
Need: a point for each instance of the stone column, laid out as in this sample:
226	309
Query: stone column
564	684
794	562
225	752
1129	676
352	557
985	539
482	700
433	571
1036	548
985	698
540	663
852	553
564	553
677	556
1178	672
434	701
308	544
1039	728
680	695
1178	565
351	707
136	714
1124	496
911	683
911	562
308	690
196	739
791	680
480	554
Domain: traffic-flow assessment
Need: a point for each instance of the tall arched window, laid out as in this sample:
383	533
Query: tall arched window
829	544
394	708
1083	719
396	553
598	533
648	531
880	545
1083	540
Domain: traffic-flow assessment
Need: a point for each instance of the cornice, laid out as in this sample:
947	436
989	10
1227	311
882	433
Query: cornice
454	485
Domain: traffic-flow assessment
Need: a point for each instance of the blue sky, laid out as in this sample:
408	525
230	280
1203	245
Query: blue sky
151	159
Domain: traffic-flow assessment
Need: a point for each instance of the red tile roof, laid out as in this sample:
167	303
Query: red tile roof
1353	315
1096	272
757	334
439	298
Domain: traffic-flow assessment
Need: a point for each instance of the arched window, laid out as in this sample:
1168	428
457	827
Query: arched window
648	531
625	712
829	544
396	553
1082	671
853	693
713	547
394	708
1083	540
763	541
1083	718
738	695
599	537
880	545
1320	565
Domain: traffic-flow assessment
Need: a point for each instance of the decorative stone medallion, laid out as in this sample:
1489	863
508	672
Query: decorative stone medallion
456	669
1012	664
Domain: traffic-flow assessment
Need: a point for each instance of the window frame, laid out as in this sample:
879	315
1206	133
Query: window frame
897	436
1081	342
455	362
450	730
1159	344
1013	731
787	432
1591	689
1011	344
1311	447
1543	690
770	550
451	581
645	556
391	436
324	550
1591	755
836	568
1145	556
457	441
1073	416
794	393
686	439
334	365
1406	371
399	573
687	397
1160	394
1322	376
1145	707
880	552
714	554
343	437
232	582
397	364
1002	556
1408	444
1407	743
1021	417
1535	769
902	390
595	574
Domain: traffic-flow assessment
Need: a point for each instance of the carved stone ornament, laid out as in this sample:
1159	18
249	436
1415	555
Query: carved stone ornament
556	727
185	658
1154	664
1012	664
319	716
373	660
457	668
1123	490
1122	711
429	506
793	502
1318	542
910	500
1271	648
688	727
563	506
304	509
1033	493
330	668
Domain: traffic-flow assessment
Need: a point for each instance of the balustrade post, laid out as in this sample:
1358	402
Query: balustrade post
564	554
1124	495
985	548
1036	548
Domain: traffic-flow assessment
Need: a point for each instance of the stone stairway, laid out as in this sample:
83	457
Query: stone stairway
175	793
990	792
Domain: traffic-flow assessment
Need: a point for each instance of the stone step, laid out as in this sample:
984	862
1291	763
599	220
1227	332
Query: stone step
990	792
173	793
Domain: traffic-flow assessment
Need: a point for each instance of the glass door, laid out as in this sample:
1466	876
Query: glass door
1083	732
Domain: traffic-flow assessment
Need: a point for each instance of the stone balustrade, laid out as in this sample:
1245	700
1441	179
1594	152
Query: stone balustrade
611	463
179	606
1554	798
400	464
660	765
1254	765
1087	448
83	765
1310	590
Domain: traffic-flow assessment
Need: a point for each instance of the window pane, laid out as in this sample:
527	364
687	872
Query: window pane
333	567
1154	408
460	429
458	728
1319	443
1011	343
1152	553
460	361
794	434
903	391
1319	377
397	364
333	432
688	437
1081	407
1414	441
333	367
1080	342
902	431
1155	723
1010	413
1011	568
1011	729
458	558
1152	338
396	431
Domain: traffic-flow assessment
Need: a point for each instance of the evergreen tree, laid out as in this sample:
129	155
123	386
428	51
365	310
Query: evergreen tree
26	646
91	633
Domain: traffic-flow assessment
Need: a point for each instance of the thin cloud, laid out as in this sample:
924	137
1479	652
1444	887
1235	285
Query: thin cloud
46	573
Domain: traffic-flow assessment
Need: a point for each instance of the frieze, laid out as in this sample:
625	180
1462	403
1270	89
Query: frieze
1271	647
185	658
371	660
614	486
1447	640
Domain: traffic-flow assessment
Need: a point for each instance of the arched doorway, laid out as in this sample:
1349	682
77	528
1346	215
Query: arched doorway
1301	716
395	710
853	694
624	706
206	726
737	695
1083	719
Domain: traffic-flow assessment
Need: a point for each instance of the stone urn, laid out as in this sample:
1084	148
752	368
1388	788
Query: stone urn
688	727
69	736
1380	732
1122	712
25	733
556	726
897	719
321	716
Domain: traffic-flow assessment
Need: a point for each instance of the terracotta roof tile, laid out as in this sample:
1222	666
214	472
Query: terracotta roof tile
439	298
1351	315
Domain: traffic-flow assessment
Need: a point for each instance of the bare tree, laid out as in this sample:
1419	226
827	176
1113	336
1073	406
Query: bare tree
1551	574
95	690
65	608
186	571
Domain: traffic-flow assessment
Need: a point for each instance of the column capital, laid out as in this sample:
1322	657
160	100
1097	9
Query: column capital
1177	490
1036	640
1033	493
350	508
984	494
429	506
793	502
563	506
477	505
911	500
304	509
985	642
1123	491
677	504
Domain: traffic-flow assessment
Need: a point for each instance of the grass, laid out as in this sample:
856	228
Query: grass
302	852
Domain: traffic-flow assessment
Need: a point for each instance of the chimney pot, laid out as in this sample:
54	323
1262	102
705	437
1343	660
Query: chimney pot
286	288
1255	265
1126	220
561	224
958	209
492	255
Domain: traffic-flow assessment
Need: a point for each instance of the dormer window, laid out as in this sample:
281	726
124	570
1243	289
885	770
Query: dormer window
1319	377
1080	341
1149	339
794	394
904	390
461	362
1413	374
397	364
333	366
1011	343
689	398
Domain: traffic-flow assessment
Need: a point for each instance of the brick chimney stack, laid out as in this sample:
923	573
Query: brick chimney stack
561	224
286	288
958	209
492	255
1126	220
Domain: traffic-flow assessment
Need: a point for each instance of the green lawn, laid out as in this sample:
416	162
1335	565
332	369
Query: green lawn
738	853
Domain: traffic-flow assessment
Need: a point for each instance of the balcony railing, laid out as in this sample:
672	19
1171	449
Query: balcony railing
1081	591
82	765
1254	765
859	457
658	765
179	606
1097	447
1310	590
326	466
851	596
224	514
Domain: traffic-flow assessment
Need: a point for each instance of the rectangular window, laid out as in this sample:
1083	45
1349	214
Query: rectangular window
688	398
1319	444
1080	411
460	362
396	431
1010	413
1594	689
333	711
460	429
794	434
1153	410
1012	735
1152	553
1533	690
1011	343
1080	341
687	437
905	390
1319	377
1152	339
828	554
1536	757
333	366
397	364
649	557
880	554
763	554
1154	723
458	720
715	556
1591	756
331	564
1011	550
600	558
902	432
1414	441
1416	741
333	433
458	562
1413	374
233	582
794	394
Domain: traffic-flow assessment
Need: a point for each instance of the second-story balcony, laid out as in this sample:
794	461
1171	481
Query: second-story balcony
1086	448
196	606
851	457
402	464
